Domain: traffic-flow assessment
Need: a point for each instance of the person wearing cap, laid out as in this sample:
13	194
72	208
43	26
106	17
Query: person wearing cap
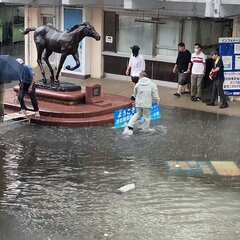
136	64
217	76
27	86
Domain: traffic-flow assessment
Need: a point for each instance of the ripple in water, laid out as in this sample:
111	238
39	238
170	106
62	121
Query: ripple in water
60	183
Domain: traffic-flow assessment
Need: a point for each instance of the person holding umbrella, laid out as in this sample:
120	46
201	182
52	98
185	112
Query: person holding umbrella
9	70
27	86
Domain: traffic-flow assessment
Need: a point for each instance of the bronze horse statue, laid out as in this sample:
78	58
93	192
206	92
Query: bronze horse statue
48	38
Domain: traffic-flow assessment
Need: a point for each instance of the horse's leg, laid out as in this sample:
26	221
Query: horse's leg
39	61
63	57
45	58
76	58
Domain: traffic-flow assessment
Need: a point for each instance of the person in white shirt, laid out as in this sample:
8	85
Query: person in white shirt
136	64
198	61
144	92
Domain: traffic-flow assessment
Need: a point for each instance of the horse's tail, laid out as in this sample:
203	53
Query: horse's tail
28	30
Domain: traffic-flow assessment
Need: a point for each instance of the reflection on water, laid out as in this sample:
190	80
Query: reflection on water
60	183
199	168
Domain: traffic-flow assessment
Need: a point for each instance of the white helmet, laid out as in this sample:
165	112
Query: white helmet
19	60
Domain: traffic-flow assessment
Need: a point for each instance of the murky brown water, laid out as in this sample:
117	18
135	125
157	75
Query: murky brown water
60	183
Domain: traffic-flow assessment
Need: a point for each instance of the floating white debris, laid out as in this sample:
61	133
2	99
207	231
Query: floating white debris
105	235
106	172
177	166
126	188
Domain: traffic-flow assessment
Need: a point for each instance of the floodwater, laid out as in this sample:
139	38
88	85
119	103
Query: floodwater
60	183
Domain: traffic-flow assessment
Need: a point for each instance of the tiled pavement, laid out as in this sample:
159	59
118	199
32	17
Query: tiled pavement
124	88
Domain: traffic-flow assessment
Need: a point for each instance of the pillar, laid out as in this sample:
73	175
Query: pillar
96	59
32	19
236	27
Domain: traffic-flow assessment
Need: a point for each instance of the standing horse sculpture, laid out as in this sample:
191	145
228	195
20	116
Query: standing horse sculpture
51	40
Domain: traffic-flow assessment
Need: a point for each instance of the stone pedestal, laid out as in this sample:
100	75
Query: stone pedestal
93	94
62	86
60	97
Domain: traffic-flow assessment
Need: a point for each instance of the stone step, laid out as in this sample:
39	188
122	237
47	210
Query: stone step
110	104
71	112
80	115
75	122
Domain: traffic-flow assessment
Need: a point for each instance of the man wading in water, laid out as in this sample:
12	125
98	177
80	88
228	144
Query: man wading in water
143	93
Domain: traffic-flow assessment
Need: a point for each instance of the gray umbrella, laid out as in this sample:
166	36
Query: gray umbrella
10	69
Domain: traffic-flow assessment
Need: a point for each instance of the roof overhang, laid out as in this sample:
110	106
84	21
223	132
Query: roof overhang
32	2
113	4
183	8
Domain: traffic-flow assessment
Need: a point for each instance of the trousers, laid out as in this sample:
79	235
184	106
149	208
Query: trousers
23	91
196	85
141	112
217	89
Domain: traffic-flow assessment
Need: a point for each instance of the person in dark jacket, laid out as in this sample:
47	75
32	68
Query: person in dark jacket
182	66
27	86
217	76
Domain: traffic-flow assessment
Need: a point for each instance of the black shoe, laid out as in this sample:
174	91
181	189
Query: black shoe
177	94
132	98
210	104
193	99
224	105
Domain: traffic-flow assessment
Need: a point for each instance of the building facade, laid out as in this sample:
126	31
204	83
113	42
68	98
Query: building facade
156	26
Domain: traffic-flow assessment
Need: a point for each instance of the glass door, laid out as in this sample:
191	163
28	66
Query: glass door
73	16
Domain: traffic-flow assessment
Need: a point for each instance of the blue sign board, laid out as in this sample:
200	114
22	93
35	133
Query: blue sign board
122	116
229	49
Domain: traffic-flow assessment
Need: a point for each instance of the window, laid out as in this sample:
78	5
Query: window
73	16
168	37
11	28
133	32
216	30
47	19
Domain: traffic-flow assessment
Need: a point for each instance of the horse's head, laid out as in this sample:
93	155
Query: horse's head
90	31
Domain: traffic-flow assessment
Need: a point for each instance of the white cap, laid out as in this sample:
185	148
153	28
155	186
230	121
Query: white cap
19	60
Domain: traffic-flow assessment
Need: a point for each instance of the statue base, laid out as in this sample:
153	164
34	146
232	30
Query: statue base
70	108
61	87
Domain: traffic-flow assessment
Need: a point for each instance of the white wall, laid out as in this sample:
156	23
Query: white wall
93	50
32	19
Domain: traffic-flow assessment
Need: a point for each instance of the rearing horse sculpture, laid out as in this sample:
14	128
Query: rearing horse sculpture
51	40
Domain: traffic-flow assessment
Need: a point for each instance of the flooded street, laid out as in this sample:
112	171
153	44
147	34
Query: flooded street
60	183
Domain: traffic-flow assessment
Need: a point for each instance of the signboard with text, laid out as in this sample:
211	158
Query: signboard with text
229	49
122	116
